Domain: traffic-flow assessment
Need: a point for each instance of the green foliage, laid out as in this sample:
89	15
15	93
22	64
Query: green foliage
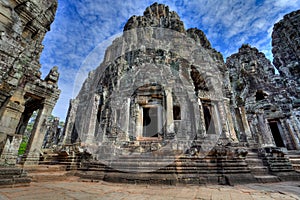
23	145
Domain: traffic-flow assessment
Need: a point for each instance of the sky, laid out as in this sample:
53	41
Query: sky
80	26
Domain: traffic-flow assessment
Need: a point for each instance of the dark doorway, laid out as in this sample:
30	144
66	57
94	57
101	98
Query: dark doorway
150	122
176	112
276	134
208	117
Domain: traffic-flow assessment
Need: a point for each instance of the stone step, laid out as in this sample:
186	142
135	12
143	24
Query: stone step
259	170
294	158
45	168
15	182
13	176
267	179
254	161
48	177
47	173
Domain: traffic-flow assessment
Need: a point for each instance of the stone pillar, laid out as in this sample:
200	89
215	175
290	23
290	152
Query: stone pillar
264	130
232	133
169	111
10	151
245	124
293	132
9	122
34	145
139	121
216	118
159	119
12	114
223	120
91	124
202	120
122	119
70	121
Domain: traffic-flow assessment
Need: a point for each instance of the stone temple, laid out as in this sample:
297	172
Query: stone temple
164	107
23	25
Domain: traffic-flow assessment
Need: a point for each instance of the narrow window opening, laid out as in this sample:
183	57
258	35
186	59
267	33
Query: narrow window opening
260	95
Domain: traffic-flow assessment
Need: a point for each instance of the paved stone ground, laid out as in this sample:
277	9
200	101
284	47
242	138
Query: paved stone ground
72	189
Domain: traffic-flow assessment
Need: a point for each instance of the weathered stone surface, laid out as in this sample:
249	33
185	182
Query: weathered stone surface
286	45
53	134
208	115
264	96
23	25
157	15
286	51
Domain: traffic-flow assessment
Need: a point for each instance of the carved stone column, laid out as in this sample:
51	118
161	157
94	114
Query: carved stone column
246	124
34	145
223	120
123	118
12	114
264	130
293	132
9	141
232	133
92	119
169	112
139	121
202	120
9	153
70	122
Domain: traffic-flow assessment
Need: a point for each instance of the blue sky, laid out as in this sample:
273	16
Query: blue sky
82	25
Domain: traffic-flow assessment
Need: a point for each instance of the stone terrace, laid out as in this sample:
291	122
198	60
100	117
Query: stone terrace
72	189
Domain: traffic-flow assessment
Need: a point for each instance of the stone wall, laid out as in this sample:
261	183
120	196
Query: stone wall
23	25
286	51
262	95
156	66
286	44
164	98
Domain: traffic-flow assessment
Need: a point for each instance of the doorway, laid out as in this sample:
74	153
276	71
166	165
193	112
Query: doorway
276	133
208	117
151	121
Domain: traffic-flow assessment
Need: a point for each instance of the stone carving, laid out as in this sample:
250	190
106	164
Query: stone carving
53	76
285	43
256	108
157	15
23	26
249	81
169	102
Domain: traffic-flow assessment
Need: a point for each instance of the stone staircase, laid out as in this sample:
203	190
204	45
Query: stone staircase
70	160
294	157
279	164
47	173
184	169
258	169
12	176
216	168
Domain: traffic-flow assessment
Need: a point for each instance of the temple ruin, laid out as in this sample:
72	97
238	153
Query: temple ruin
175	112
23	26
162	107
